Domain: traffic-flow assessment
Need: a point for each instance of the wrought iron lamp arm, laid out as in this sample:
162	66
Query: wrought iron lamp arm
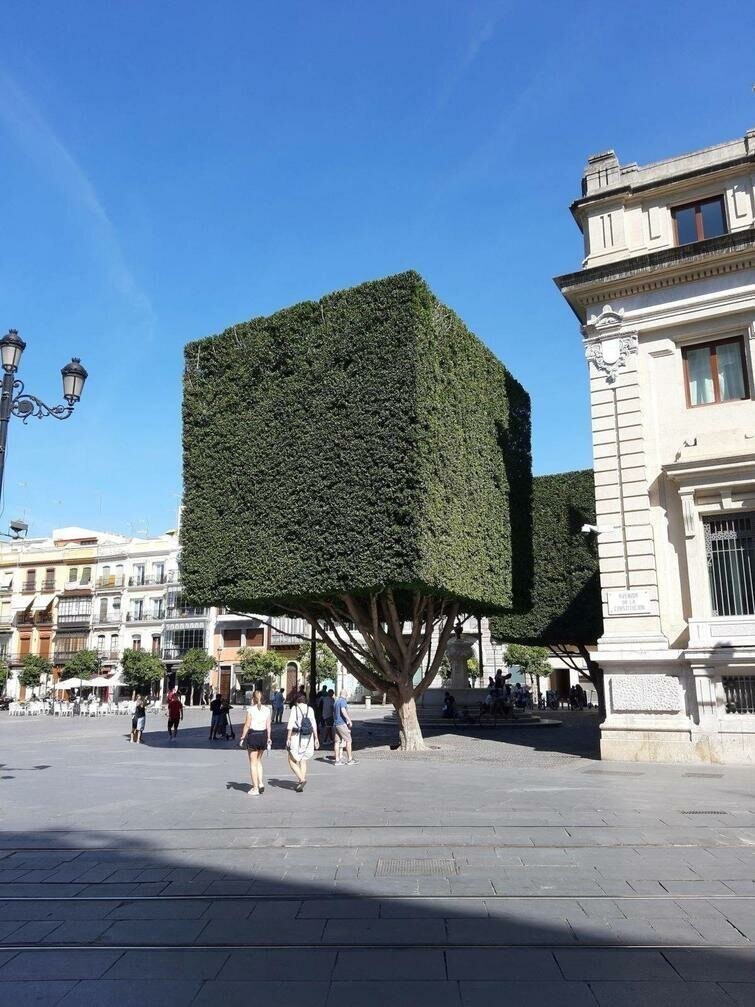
25	405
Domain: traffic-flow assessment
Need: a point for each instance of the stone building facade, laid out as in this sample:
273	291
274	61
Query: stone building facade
666	302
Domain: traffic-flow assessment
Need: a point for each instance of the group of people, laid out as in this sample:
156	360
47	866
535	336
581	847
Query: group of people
302	735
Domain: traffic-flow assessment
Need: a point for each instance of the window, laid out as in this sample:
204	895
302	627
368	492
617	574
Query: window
715	372
136	643
101	644
155	644
696	221
30	584
49	582
159	572
73	574
137	610
730	551
86	575
114	642
739	692
157	608
232	638
139	574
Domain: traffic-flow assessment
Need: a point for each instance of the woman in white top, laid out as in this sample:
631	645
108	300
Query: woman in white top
302	739
257	738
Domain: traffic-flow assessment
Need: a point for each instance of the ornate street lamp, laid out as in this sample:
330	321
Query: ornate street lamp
15	401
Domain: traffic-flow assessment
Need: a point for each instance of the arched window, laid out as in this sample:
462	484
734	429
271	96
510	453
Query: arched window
136	643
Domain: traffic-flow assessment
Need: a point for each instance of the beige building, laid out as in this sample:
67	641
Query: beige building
666	299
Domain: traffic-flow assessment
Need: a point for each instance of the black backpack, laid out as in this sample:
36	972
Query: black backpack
304	727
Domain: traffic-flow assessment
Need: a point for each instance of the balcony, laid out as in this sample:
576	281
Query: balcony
176	653
29	587
185	612
28	618
62	656
78	587
152	580
722	631
48	586
110	583
145	616
110	619
107	656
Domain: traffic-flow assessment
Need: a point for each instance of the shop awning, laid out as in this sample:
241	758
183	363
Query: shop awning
41	602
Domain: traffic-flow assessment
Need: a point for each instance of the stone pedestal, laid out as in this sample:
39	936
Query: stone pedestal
459	652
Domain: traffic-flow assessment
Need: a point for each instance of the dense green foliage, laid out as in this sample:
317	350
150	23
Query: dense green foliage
141	669
326	665
532	661
362	441
84	664
195	666
33	668
4	673
566	607
261	667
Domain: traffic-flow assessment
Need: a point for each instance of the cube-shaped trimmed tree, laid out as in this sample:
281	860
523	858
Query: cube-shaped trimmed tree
362	461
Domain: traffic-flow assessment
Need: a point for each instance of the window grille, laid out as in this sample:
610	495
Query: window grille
739	692
730	549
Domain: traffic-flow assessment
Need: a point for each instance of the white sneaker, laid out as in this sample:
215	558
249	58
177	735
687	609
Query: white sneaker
254	792
351	762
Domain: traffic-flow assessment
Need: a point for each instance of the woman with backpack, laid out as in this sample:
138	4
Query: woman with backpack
256	736
301	740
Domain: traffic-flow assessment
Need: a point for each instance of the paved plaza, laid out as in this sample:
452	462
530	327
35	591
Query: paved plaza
511	868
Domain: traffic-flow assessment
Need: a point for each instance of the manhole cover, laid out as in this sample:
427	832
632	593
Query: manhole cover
398	868
696	812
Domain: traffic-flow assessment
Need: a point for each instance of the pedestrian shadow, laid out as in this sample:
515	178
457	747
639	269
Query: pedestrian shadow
244	788
283	784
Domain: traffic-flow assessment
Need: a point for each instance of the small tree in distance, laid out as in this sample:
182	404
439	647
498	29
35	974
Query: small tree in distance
326	664
84	664
4	673
141	670
195	666
263	668
32	670
532	661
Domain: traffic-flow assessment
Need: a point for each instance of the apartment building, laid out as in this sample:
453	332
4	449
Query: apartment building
83	589
666	302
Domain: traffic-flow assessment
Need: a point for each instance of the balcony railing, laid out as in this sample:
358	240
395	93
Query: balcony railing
151	580
62	656
77	585
48	586
145	616
108	655
185	612
109	619
110	581
29	587
27	618
175	653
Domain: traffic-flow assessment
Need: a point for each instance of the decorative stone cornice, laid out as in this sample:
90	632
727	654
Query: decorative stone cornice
606	347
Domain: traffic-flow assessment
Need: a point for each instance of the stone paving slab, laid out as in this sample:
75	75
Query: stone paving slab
594	851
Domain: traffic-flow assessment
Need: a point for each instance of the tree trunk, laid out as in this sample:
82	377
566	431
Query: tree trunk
410	733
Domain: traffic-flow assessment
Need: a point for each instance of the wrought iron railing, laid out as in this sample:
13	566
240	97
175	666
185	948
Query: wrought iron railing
730	549
739	692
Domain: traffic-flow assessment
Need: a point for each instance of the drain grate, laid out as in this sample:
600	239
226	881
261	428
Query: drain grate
705	776
403	868
697	812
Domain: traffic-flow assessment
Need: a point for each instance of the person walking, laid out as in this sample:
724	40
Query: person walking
301	739
139	720
256	736
342	725
175	715
328	702
226	725
216	720
278	704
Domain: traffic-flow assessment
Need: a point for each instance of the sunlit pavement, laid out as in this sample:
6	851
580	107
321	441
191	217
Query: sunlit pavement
504	868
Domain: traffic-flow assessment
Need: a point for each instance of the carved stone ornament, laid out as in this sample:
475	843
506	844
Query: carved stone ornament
605	346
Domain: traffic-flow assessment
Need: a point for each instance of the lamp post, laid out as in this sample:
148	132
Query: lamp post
15	401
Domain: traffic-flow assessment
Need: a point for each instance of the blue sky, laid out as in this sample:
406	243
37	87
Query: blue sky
171	168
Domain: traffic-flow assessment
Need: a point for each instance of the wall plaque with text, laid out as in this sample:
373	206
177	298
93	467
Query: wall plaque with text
630	602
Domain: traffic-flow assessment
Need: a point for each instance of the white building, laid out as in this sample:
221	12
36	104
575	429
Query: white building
666	298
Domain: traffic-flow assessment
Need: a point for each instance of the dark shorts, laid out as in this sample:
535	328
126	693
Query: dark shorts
328	721
173	723
256	741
